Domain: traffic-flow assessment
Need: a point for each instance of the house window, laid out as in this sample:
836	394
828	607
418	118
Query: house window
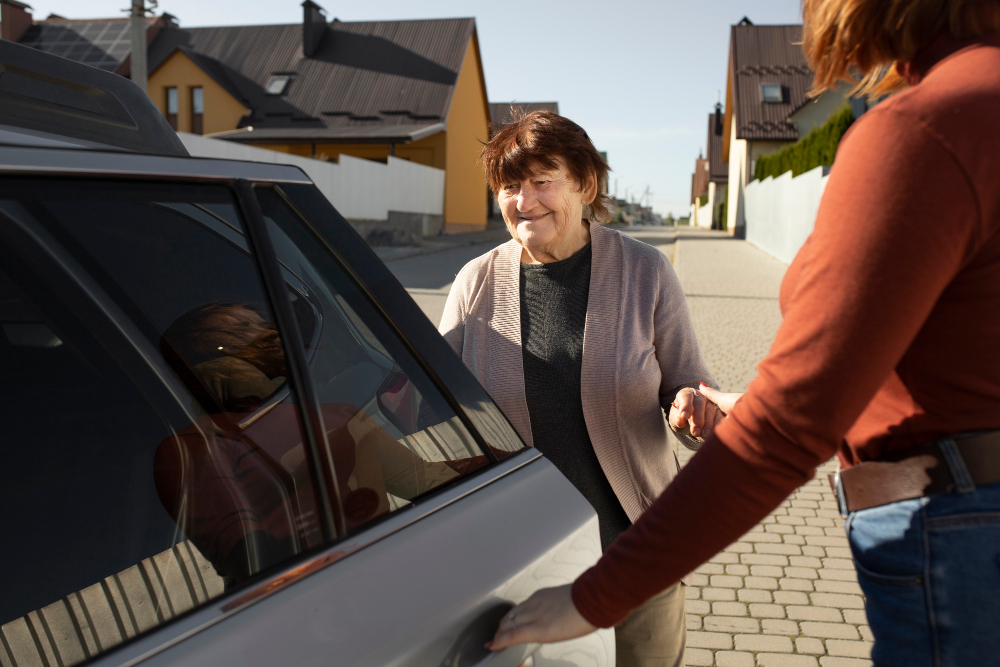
197	109
276	84
771	93
172	107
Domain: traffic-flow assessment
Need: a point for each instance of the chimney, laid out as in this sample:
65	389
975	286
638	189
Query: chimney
718	118
15	19
313	27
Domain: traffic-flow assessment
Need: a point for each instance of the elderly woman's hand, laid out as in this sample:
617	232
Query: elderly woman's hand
691	408
549	615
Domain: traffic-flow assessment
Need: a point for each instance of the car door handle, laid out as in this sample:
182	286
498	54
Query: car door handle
469	650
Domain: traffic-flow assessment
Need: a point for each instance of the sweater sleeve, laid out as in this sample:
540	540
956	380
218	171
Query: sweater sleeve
452	325
896	223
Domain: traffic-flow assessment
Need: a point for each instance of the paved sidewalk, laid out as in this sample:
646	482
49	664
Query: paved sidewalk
785	594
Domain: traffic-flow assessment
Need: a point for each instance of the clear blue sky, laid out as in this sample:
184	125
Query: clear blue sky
639	76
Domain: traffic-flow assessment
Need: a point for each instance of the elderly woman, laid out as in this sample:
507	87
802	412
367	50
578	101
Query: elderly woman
582	336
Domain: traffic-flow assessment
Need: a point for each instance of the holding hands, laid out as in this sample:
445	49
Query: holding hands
699	411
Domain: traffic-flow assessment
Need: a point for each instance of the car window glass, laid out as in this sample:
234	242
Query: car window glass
153	456
393	435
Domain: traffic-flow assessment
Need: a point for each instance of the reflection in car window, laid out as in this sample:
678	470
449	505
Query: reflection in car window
159	458
376	401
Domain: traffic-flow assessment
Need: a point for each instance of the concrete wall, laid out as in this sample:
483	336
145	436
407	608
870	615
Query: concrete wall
780	212
737	181
360	189
703	216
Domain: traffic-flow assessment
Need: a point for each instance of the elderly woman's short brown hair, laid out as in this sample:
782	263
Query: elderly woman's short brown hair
535	142
868	37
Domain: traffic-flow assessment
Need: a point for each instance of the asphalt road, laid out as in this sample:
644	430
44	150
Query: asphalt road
428	277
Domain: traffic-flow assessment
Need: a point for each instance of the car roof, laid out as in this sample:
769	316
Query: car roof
50	101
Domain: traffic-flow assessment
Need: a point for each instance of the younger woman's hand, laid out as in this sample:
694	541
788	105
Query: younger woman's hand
724	401
549	615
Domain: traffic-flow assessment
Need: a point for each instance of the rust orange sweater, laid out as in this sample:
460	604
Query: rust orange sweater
891	330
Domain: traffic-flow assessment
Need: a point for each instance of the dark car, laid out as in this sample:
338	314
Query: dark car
229	436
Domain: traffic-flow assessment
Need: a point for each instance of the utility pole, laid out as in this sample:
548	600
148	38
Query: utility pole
138	34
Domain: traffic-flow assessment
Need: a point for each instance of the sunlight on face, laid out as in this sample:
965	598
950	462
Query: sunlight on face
545	209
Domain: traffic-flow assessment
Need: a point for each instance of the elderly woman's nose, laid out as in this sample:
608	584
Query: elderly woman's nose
526	198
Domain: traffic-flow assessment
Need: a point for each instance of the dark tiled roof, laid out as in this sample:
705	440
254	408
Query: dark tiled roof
718	171
377	79
500	112
101	43
768	54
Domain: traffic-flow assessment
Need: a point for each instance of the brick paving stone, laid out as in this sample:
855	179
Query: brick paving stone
785	660
734	659
737	569
725	558
698	657
776	627
847	587
805	561
849	649
710	640
700	607
763	559
763	643
761	610
866	633
830	661
838	563
692	592
733	624
697	579
837	575
801	572
711	568
796	585
824	614
726	581
729	609
838	601
724	594
765	583
855	616
791	597
773	571
809	645
754	595
829	630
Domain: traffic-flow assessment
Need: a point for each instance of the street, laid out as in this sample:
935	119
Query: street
785	594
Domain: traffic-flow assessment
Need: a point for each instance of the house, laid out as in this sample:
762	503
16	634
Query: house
371	89
101	43
414	90
711	175
767	103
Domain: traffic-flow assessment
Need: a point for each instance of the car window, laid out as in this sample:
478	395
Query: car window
394	437
152	454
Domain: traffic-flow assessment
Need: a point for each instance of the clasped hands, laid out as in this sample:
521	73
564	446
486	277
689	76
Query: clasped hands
701	410
549	615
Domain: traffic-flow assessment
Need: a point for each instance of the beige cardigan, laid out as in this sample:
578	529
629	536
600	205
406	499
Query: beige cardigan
639	348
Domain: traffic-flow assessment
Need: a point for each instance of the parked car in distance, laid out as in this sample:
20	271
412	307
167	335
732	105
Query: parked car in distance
230	436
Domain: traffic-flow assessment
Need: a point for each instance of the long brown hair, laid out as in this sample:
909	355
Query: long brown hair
863	40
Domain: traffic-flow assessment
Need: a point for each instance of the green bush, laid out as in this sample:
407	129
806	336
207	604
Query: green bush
816	150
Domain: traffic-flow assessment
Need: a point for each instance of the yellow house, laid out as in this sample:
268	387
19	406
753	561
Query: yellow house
410	89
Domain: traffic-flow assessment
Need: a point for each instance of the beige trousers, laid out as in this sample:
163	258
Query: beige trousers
654	634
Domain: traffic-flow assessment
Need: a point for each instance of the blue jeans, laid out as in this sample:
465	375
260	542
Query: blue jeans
930	570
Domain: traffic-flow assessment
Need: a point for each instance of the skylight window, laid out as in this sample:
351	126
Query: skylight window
771	93
277	83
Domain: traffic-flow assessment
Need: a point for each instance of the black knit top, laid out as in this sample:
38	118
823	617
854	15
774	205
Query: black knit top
553	315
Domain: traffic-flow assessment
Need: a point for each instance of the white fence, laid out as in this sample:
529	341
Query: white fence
360	189
780	212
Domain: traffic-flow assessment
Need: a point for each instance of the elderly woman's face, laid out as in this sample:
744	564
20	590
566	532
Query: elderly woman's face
542	210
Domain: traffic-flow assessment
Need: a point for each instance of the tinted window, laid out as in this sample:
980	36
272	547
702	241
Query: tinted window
152	452
393	435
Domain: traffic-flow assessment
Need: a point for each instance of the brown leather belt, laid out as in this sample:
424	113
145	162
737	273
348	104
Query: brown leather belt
920	472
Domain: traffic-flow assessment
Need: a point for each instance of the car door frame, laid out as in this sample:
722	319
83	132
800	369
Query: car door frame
456	384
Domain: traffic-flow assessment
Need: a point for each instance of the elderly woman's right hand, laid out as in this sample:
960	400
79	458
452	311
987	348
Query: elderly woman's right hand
691	408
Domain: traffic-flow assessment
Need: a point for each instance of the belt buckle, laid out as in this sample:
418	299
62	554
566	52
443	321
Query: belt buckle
838	488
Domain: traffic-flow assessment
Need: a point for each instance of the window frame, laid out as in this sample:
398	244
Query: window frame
772	86
171	96
197	117
338	545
